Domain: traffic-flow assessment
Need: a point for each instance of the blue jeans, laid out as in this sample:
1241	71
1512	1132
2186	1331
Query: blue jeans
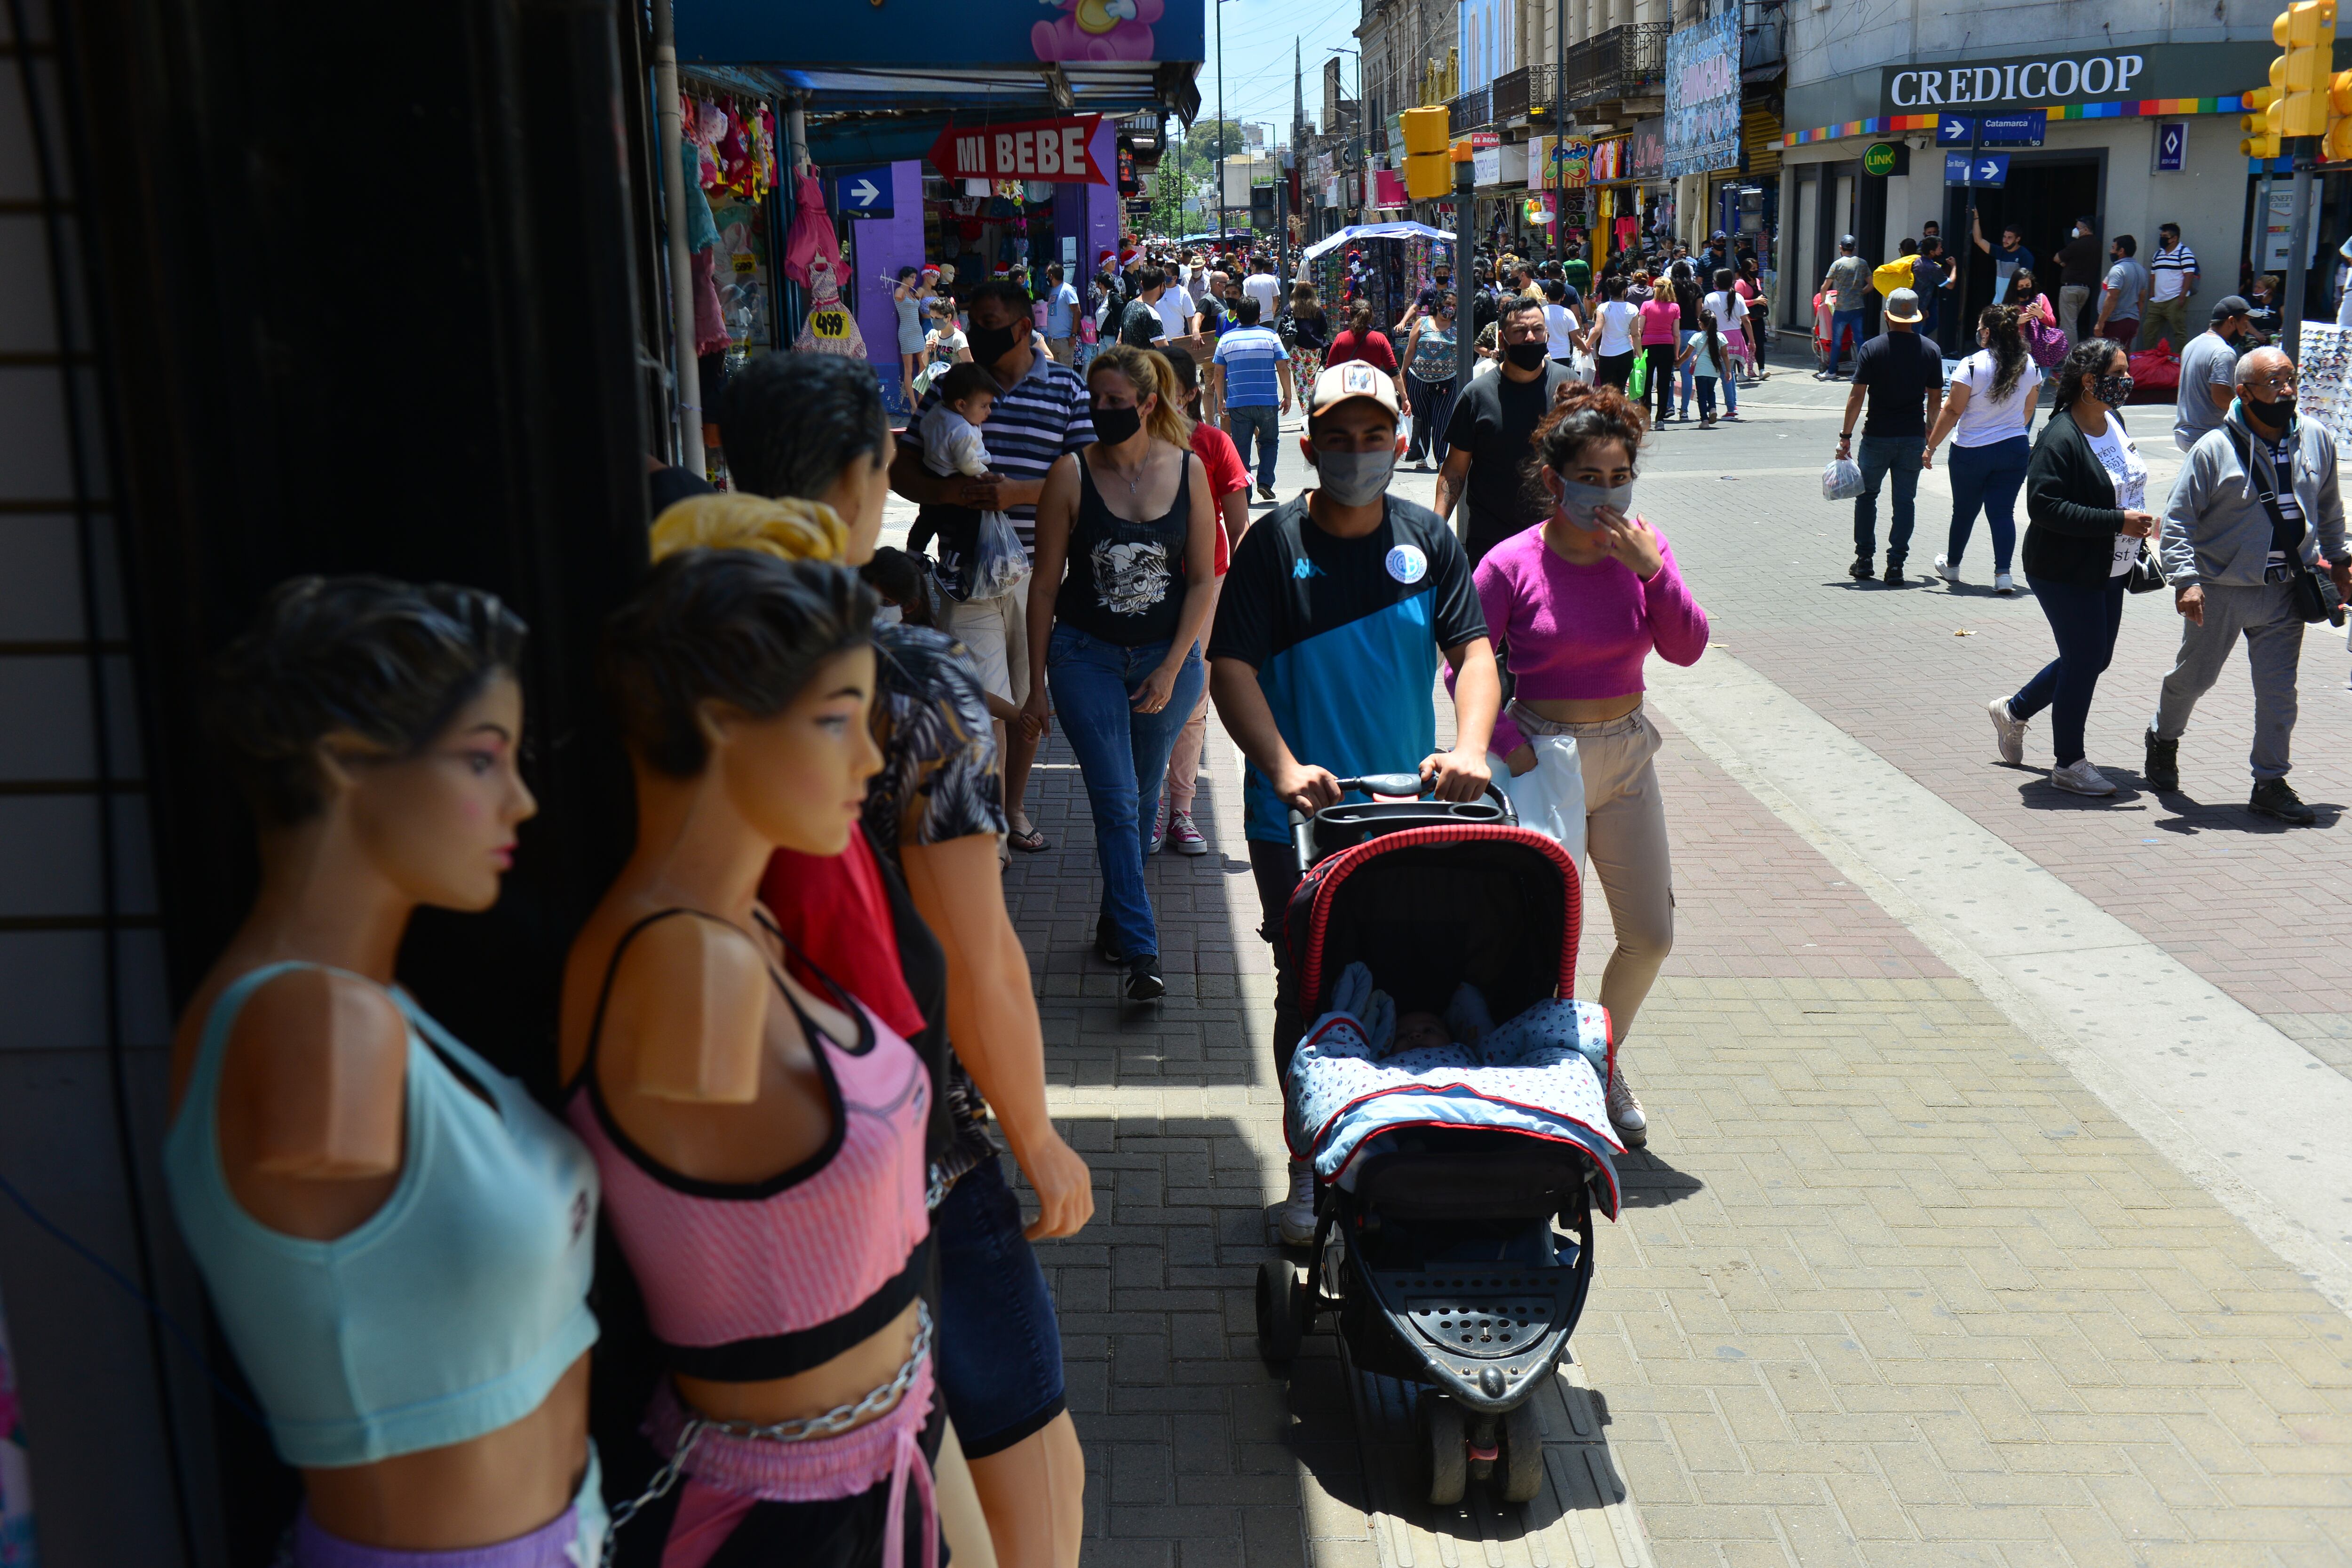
1879	455
1706	396
1987	478
2085	622
1265	421
1842	323
1000	1356
1122	756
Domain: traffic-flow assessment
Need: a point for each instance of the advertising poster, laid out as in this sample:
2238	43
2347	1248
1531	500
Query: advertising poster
1703	97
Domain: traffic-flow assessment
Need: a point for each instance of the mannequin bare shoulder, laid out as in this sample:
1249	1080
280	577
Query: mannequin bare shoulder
312	1091
687	1018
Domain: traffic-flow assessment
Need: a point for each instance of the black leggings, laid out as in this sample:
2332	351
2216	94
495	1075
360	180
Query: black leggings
1662	378
1615	370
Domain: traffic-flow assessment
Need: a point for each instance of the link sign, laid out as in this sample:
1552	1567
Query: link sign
1884	158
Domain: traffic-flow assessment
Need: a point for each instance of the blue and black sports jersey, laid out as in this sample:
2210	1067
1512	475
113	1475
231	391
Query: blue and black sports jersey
1345	635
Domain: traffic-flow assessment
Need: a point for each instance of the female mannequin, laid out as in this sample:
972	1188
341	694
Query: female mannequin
812	434
397	1240
762	1141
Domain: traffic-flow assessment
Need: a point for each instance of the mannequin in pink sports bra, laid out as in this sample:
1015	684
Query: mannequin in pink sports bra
740	1119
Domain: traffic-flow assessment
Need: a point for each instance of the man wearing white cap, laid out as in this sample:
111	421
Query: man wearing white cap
1901	372
1323	660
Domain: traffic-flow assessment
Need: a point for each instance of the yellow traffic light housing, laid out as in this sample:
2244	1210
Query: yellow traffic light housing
2260	141
2305	32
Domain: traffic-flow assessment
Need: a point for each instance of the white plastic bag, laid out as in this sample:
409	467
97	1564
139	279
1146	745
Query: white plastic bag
998	562
1582	366
1549	796
1842	480
1404	430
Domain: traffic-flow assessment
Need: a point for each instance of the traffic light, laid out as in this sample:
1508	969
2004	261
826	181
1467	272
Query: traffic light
2305	33
1428	175
2336	147
2261	141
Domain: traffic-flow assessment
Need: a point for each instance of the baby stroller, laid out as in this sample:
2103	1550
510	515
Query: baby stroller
1455	1257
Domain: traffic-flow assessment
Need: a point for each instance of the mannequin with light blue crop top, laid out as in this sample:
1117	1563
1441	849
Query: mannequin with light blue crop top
397	1241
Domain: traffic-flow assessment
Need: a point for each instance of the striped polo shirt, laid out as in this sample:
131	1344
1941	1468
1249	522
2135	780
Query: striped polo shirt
1248	355
1034	422
2169	269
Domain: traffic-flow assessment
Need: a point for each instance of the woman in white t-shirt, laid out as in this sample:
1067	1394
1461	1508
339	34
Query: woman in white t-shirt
1987	412
1614	336
1560	325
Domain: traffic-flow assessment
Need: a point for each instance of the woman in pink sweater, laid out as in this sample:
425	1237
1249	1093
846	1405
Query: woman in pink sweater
1580	602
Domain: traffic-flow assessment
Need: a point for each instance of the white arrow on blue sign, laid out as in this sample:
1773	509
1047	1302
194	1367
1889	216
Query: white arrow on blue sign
1992	168
864	193
1952	129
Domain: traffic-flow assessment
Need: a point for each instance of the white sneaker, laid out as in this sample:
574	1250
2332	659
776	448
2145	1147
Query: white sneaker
1182	836
2080	777
2003	582
1625	1112
1297	1221
1948	574
2008	732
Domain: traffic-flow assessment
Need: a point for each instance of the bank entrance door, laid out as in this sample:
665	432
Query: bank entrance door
2046	194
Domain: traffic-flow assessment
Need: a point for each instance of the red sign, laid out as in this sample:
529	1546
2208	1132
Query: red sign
1388	189
1482	140
1055	150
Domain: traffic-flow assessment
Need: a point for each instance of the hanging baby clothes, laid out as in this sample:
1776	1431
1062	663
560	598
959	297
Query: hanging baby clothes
702	232
812	236
831	326
710	316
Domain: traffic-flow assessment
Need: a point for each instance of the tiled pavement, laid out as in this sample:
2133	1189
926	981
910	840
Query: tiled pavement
1892	1288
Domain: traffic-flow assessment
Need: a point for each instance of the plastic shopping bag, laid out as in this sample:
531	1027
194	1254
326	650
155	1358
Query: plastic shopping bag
998	562
1549	796
1581	367
1638	387
1842	480
1404	430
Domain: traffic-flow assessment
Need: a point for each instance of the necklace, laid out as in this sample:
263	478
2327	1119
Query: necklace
1142	469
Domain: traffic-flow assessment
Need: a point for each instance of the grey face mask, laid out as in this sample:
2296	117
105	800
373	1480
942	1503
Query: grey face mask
1577	502
1356	479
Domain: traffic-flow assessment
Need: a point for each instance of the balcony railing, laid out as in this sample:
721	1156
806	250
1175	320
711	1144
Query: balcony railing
1623	62
1472	111
1530	87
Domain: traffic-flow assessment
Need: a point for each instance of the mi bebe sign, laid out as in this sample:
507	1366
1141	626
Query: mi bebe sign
1053	150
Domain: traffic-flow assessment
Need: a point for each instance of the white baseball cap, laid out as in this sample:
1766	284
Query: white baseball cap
1336	384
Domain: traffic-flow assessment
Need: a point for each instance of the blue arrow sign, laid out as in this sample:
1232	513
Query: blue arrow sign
2014	129
1989	169
1952	129
864	193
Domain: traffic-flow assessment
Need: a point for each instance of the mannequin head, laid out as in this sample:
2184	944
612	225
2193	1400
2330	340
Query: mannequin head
740	674
382	721
813	427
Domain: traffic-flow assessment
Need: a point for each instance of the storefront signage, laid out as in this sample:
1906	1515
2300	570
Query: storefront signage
1884	158
2171	146
947	35
1701	118
864	192
1485	158
1993	130
1649	150
2018	81
1057	151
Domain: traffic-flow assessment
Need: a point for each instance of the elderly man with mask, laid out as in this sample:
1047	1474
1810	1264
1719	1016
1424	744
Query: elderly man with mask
1323	661
2256	507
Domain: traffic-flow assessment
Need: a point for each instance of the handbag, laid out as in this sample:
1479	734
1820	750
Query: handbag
2044	343
2312	595
2146	575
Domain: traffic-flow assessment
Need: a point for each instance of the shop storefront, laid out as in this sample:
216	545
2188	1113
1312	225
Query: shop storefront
2131	138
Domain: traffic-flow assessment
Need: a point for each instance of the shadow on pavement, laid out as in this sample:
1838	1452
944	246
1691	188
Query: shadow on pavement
1649	1182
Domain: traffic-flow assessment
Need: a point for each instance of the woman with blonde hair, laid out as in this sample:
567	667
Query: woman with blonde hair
1127	540
912	919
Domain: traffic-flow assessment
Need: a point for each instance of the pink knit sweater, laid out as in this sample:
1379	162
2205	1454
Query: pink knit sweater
1583	631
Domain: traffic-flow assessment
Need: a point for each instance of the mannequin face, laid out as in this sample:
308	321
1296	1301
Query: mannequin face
859	495
440	825
799	776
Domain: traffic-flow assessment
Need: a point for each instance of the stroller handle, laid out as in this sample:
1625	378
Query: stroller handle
1397	785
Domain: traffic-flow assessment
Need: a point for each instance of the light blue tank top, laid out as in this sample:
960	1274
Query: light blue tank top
449	1312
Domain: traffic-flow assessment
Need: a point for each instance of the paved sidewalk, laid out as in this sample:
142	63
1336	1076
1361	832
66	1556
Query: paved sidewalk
1891	1287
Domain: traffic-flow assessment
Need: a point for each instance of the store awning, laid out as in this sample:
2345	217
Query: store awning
1372	231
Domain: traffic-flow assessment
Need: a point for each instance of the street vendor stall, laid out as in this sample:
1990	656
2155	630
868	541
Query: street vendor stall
1385	264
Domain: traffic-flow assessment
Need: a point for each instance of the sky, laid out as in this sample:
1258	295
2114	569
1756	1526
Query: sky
1258	35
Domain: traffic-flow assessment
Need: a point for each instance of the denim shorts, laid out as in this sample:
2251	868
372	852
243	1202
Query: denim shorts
1000	1350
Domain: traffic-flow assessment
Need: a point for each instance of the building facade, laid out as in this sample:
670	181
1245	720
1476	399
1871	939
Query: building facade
2140	104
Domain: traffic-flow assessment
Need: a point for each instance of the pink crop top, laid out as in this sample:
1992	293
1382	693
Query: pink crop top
750	1281
1581	631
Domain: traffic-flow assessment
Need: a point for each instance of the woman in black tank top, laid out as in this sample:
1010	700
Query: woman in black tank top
1125	585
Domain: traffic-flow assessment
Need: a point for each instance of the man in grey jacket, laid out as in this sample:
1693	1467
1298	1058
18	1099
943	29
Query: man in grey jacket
2229	579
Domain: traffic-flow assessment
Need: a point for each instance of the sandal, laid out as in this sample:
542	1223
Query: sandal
1028	840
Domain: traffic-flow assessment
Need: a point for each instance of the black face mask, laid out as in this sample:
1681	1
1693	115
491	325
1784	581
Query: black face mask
1113	425
1529	355
2274	416
990	344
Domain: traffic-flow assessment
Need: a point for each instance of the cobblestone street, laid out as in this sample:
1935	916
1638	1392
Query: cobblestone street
1924	1263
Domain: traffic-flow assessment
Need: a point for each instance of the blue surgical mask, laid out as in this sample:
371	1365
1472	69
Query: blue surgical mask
1578	501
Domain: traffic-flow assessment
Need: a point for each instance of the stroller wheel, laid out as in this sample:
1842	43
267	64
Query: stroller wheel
1520	1475
1444	1447
1281	1312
